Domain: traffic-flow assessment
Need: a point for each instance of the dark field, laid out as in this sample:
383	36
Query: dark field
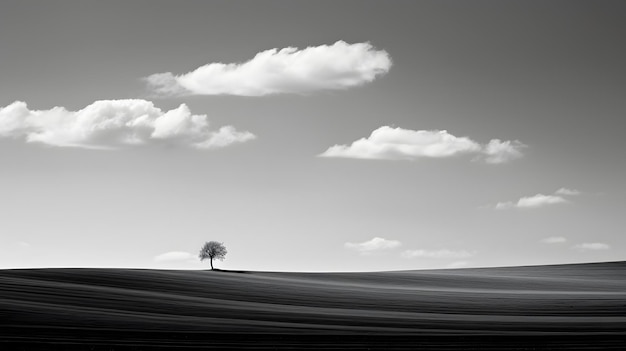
561	307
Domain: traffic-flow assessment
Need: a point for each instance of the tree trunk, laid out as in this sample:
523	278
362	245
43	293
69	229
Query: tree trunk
211	263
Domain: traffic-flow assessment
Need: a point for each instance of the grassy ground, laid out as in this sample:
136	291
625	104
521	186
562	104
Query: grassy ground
564	307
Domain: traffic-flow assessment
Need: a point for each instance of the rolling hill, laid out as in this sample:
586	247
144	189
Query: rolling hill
566	307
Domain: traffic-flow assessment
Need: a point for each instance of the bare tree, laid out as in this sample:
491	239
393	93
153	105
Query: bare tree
213	250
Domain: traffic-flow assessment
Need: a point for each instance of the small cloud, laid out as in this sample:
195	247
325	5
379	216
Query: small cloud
567	192
286	71
387	143
554	240
592	246
174	256
504	205
374	245
443	253
110	124
458	264
497	151
539	200
23	244
535	201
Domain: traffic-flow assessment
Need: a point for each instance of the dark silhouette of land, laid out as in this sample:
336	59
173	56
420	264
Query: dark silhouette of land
559	307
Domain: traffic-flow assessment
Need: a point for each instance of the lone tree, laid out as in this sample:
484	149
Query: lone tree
213	250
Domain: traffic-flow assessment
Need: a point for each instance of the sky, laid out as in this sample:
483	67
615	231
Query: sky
312	135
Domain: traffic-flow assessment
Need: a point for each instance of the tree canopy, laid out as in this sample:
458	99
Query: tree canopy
213	250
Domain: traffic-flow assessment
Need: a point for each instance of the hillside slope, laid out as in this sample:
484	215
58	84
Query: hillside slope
558	307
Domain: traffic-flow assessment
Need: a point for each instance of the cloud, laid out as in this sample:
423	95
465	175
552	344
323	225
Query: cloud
497	151
538	200
443	253
567	192
504	205
387	143
554	240
592	246
374	245
534	201
284	71
174	256
109	124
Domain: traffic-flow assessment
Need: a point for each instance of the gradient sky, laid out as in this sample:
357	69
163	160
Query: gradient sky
549	74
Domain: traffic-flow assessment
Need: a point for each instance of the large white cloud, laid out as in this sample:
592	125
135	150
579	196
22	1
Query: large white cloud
388	143
374	245
113	124
539	200
274	71
442	253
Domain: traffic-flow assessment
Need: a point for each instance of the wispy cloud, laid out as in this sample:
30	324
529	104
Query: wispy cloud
534	201
442	253
108	124
592	246
374	245
388	143
554	240
567	192
175	256
274	71
538	200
